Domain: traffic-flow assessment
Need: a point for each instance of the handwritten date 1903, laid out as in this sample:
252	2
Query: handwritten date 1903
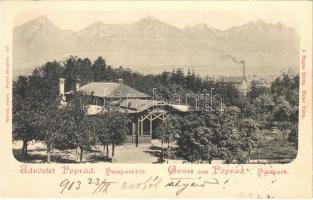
69	185
101	186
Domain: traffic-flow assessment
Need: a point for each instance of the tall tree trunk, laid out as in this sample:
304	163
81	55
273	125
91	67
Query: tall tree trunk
249	156
168	150
81	155
104	150
113	148
48	153
107	150
24	148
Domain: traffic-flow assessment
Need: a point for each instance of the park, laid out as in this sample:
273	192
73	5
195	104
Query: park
79	111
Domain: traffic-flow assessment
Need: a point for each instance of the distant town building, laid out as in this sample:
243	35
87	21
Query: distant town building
239	82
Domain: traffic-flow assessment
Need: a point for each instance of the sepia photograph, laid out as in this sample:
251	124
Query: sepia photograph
155	87
156	99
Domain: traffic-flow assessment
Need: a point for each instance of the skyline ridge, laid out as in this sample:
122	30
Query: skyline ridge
153	18
151	45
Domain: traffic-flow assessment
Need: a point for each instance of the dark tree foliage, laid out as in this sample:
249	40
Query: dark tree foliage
228	136
168	132
44	80
79	128
101	126
44	84
277	106
30	95
208	135
76	69
21	94
111	128
256	90
50	121
287	86
196	140
248	136
24	128
293	136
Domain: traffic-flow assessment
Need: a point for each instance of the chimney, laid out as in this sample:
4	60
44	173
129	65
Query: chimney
77	86
61	88
120	81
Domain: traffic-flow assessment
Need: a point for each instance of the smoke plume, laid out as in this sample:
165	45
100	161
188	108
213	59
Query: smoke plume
235	60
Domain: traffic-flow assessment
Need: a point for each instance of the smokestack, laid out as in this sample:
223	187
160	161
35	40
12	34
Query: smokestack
61	88
241	62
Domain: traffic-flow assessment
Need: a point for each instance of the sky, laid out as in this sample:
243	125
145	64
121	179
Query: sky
77	20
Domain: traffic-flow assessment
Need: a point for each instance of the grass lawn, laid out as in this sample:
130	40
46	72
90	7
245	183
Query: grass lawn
274	146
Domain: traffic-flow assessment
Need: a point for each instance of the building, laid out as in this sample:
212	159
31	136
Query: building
146	113
239	82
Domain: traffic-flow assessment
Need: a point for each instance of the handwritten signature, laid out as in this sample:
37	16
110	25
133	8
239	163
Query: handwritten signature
102	186
183	183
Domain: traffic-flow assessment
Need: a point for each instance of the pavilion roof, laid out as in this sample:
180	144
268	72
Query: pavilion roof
140	105
112	90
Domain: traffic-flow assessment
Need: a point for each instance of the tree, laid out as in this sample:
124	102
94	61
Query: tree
44	84
99	69
25	109
24	128
50	121
227	137
282	110
74	69
178	76
264	108
23	124
287	86
285	90
168	131
208	135
293	136
248	137
118	128
256	90
21	91
196	141
249	110
87	135
102	131
78	127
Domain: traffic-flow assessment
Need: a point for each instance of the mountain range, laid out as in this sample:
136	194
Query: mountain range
150	46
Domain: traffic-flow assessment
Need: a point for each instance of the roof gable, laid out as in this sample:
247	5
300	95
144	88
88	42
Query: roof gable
233	79
112	90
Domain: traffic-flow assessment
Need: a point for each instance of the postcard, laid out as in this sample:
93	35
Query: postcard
156	99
